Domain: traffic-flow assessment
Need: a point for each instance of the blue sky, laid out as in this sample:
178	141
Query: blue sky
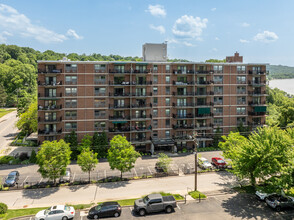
260	30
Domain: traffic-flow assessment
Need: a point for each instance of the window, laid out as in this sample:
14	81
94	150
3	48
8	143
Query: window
218	110
256	69
167	90
218	90
155	112
100	68
100	91
71	67
218	130
218	121
70	103
155	79
119	103
119	68
140	91
155	123
218	100
182	69
155	89
99	103
51	104
181	80
100	125
71	91
241	90
167	134
218	79
155	134
100	79
182	113
241	100
167	122
167	79
50	92
181	102
71	126
70	115
71	80
167	68
50	116
218	68
241	69
241	79
140	69
155	68
241	110
167	101
100	113
167	112
155	100
241	120
50	80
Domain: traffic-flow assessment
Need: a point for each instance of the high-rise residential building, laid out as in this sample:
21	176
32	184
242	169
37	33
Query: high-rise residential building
156	105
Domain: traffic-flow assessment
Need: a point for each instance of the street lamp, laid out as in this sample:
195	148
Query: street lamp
195	152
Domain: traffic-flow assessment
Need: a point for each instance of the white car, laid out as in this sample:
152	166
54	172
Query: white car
58	212
204	163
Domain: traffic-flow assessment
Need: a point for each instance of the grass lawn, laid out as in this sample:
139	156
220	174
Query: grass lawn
195	195
4	112
12	213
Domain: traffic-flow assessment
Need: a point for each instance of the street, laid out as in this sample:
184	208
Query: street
221	206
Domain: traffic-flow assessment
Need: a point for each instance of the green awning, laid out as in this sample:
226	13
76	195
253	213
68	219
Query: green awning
260	109
202	111
118	122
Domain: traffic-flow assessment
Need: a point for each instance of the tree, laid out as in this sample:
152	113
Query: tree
3	96
33	157
121	154
28	121
217	137
87	160
266	154
72	140
164	162
100	144
85	143
53	158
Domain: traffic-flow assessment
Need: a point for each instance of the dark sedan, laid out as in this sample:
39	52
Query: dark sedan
278	202
106	209
12	178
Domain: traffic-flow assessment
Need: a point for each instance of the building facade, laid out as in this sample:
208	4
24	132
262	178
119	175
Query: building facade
156	105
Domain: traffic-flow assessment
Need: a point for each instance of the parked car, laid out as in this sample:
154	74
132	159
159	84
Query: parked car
278	202
263	195
58	212
155	203
204	164
106	209
66	177
218	162
12	178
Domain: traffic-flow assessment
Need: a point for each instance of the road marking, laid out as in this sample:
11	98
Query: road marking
24	181
135	172
131	208
149	170
41	180
82	213
178	207
30	218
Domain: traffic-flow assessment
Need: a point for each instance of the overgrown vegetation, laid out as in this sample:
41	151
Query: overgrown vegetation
196	194
280	72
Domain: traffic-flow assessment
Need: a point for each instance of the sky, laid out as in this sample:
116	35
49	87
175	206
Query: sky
260	30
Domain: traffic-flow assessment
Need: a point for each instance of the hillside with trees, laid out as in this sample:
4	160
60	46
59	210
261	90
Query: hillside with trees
280	72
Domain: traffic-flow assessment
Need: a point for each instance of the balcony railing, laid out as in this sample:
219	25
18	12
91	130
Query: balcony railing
141	105
49	132
204	72
120	71
204	93
49	83
256	113
141	116
183	94
256	72
119	106
119	94
204	115
189	104
142	94
183	116
255	93
205	104
70	105
204	82
183	83
256	103
191	126
100	94
51	107
259	83
119	117
100	82
122	129
50	71
49	119
49	95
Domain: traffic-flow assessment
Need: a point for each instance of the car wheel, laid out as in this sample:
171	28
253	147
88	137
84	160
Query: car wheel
64	218
95	217
168	209
116	214
278	208
142	212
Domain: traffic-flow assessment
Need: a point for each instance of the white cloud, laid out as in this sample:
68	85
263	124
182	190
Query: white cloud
266	37
188	44
216	38
72	33
19	24
213	9
189	27
214	50
156	10
244	24
159	28
3	36
244	41
174	41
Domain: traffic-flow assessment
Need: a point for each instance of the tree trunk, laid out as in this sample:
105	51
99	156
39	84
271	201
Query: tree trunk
89	176
252	180
121	175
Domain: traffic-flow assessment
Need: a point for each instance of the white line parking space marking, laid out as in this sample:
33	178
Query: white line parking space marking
83	213
40	180
135	172
178	206
73	178
131	208
24	181
149	170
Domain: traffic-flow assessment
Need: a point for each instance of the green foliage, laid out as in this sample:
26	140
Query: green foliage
267	154
121	155
3	95
164	162
72	140
217	137
177	60
6	159
28	121
53	158
215	61
100	144
280	72
196	194
3	208
33	157
87	160
85	143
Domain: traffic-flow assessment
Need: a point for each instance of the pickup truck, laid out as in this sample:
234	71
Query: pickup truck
155	203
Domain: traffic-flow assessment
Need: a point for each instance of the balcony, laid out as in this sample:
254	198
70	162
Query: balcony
204	83
256	103
49	132
120	130
120	71
49	71
204	126
100	82
71	94
140	140
183	83
141	71
205	137
49	120
257	83
200	116
183	137
204	72
49	107
119	118
183	94
134	117
256	113
49	96
255	124
100	70
204	93
183	105
254	72
189	115
49	83
256	93
180	127
70	105
73	82
205	104
121	94
118	106
142	94
100	116
142	105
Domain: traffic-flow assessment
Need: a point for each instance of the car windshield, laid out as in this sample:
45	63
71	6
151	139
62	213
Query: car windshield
10	177
67	173
66	208
98	207
146	199
47	211
220	161
206	162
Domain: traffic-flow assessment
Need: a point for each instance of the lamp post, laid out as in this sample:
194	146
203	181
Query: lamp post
195	152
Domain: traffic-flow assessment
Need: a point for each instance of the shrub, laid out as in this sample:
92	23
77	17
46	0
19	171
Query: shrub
195	195
3	208
5	159
25	162
33	158
23	156
16	161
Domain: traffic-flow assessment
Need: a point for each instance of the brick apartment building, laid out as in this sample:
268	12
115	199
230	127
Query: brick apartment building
156	104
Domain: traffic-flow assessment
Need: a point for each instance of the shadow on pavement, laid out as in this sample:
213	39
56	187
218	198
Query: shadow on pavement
39	193
78	187
11	134
246	206
114	185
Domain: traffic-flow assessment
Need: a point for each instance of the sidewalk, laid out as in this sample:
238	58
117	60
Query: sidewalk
115	191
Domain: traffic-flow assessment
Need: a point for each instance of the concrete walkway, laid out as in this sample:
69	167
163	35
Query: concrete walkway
115	191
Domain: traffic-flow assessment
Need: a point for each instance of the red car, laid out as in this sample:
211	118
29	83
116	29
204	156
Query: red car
218	162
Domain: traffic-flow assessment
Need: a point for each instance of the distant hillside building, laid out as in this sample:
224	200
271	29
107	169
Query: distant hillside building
156	104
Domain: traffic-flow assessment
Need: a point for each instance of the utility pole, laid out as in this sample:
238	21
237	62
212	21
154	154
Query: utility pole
195	152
